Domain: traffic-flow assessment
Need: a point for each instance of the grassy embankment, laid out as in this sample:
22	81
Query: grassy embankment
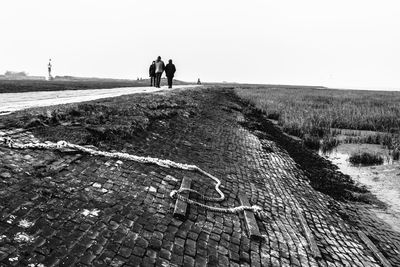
60	84
109	123
322	114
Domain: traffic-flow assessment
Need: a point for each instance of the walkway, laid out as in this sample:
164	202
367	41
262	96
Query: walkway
10	102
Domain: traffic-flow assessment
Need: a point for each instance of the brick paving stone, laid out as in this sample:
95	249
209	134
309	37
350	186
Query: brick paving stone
125	252
68	261
3	255
87	258
138	251
188	261
177	259
155	243
190	247
165	254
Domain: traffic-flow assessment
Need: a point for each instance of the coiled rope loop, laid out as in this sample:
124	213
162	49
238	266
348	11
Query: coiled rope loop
9	142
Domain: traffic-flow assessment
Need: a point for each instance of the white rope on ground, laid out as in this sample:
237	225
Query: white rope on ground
7	141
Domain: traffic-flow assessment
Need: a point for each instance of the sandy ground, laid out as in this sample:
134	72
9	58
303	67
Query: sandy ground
10	102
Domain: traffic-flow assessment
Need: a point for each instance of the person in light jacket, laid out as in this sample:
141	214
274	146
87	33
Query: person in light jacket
160	66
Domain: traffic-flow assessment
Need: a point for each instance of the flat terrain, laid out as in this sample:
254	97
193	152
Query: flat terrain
68	208
16	86
311	110
10	102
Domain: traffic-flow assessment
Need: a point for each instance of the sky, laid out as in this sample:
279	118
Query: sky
335	43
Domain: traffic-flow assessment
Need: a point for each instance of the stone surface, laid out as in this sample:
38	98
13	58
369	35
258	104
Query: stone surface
181	206
250	220
74	221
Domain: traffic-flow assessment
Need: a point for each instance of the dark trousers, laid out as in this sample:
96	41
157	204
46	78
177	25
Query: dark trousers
152	80
158	79
170	78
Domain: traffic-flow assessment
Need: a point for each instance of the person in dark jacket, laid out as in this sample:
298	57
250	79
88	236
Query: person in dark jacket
170	72
152	74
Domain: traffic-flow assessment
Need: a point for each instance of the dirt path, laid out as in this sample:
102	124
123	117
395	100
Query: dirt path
66	208
10	102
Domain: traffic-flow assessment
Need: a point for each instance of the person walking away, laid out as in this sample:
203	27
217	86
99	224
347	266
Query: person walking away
170	71
152	74
160	66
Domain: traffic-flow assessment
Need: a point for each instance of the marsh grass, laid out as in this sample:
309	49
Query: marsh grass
366	159
385	140
311	109
312	142
395	153
328	143
311	113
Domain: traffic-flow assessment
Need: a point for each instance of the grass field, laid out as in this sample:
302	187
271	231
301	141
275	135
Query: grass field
312	113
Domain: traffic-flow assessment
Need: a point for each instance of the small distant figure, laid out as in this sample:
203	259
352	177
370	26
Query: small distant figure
49	69
152	74
170	72
160	66
198	81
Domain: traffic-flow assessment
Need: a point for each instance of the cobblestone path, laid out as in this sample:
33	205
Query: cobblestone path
68	209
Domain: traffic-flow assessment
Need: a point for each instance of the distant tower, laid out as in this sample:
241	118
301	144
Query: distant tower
49	70
198	81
